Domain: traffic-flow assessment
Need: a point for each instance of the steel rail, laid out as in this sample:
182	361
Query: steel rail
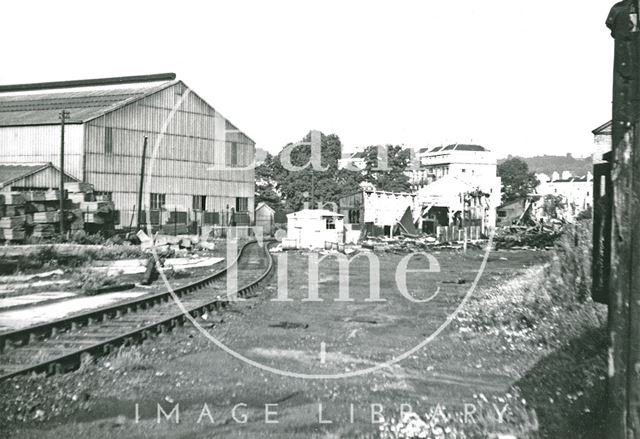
73	360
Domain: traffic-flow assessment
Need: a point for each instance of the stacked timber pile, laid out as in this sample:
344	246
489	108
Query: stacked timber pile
12	217
37	214
44	214
97	215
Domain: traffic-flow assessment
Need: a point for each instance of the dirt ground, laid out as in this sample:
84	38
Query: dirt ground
219	395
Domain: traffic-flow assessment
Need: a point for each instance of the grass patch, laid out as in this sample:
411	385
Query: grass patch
128	359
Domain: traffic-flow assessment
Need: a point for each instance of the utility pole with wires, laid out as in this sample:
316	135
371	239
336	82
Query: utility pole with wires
64	115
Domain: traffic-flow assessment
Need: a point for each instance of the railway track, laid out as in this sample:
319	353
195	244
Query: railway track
62	345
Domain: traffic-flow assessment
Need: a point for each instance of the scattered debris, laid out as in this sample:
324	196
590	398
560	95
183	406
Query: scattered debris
538	236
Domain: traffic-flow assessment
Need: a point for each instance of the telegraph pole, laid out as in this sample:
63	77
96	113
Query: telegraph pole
64	115
142	166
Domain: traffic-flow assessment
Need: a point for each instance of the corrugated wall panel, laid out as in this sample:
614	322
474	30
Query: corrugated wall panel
41	144
196	140
47	178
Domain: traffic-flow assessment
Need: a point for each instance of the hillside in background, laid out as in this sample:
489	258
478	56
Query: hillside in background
261	155
549	163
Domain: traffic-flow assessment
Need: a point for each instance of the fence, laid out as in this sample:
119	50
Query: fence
176	222
455	233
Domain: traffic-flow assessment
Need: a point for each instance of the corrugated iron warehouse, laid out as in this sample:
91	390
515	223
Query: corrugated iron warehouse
104	137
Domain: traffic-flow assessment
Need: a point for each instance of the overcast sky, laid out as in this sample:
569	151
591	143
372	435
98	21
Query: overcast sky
518	77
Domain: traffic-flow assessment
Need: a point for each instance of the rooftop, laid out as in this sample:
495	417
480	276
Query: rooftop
12	172
453	147
41	103
313	213
604	128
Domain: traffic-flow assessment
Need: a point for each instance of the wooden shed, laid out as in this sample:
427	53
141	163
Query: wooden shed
21	177
265	218
315	228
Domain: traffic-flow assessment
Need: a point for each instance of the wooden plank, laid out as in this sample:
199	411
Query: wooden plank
12	198
45	217
10	222
78	187
12	234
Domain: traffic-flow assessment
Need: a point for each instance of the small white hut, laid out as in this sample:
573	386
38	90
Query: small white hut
311	228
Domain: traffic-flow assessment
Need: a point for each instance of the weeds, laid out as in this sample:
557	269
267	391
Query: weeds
90	282
487	417
129	358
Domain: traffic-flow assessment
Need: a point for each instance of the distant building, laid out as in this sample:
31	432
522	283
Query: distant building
310	228
22	177
543	178
469	161
265	218
445	201
377	209
576	192
353	162
602	141
511	211
566	175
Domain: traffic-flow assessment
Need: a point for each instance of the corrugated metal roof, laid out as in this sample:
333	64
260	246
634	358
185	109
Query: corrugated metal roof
13	172
43	108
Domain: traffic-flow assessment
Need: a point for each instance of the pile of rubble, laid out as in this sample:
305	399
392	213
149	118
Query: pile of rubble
406	244
536	236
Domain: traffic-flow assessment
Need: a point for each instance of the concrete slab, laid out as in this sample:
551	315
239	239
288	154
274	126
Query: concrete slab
33	315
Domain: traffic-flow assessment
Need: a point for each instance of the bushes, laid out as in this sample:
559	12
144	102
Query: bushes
568	275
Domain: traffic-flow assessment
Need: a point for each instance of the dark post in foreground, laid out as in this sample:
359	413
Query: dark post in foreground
141	188
623	399
64	115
